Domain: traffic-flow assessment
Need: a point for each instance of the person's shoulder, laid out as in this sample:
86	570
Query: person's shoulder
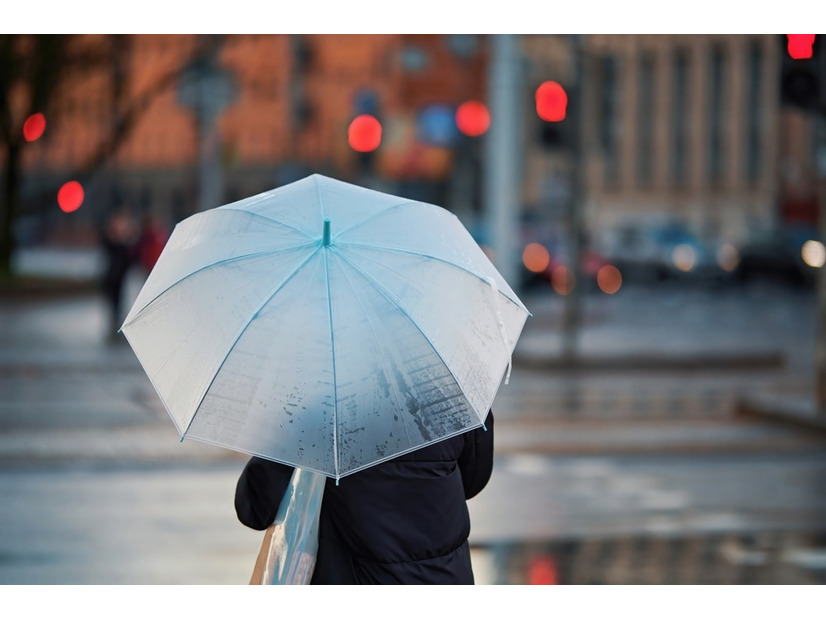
445	450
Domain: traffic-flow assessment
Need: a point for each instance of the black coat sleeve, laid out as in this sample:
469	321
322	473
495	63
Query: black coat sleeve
476	460
259	491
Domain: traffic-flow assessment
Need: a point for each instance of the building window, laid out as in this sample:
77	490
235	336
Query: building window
414	59
716	122
679	117
645	118
752	112
608	120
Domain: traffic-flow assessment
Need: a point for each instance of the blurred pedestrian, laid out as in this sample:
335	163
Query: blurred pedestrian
153	237
404	521
118	239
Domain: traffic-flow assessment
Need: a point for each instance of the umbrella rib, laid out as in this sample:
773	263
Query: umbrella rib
223	261
244	329
325	244
387	295
428	256
335	382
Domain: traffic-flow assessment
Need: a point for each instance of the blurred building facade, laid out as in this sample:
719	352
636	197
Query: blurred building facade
291	100
686	125
689	126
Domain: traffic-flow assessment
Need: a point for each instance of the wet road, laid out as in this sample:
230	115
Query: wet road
174	523
98	490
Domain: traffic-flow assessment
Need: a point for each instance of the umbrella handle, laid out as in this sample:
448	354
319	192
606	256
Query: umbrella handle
291	543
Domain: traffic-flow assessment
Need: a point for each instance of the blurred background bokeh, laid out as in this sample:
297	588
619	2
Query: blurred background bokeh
655	199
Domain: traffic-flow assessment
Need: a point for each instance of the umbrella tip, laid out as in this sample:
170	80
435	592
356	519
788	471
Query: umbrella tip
326	237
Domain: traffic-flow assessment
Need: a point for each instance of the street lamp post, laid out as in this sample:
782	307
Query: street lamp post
208	89
820	345
574	217
819	118
502	153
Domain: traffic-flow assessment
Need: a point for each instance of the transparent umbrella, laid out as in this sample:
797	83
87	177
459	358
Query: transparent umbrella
325	326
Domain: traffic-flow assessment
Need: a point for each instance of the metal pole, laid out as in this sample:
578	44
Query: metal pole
207	89
502	155
820	193
820	343
574	216
210	173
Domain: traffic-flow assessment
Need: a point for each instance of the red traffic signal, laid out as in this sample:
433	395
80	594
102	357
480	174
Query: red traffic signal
473	118
364	133
800	46
800	72
551	101
34	127
70	196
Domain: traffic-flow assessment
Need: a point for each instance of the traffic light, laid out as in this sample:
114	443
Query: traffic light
551	108
364	133
801	71
70	196
34	127
551	102
472	118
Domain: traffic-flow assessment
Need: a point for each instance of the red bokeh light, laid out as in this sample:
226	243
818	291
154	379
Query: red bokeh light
34	127
609	279
551	101
800	45
536	257
473	118
364	133
562	280
543	571
70	196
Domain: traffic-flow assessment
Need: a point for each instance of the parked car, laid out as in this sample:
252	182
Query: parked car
547	262
777	254
657	249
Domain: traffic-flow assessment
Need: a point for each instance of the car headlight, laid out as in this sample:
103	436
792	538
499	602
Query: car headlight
684	257
813	253
728	257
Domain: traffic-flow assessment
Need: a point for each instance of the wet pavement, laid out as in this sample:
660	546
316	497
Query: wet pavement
637	442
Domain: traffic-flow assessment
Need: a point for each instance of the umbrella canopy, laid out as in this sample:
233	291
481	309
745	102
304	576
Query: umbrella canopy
324	325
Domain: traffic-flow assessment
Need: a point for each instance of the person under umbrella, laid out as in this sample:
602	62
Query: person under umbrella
335	329
404	521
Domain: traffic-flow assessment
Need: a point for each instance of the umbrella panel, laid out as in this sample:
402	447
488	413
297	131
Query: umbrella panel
182	337
470	324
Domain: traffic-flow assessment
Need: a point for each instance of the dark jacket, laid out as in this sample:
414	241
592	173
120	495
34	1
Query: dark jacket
404	521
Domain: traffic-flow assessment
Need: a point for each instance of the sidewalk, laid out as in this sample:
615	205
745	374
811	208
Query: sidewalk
645	330
727	341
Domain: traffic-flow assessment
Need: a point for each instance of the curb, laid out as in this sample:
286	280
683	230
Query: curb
48	288
783	409
654	361
644	437
126	445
